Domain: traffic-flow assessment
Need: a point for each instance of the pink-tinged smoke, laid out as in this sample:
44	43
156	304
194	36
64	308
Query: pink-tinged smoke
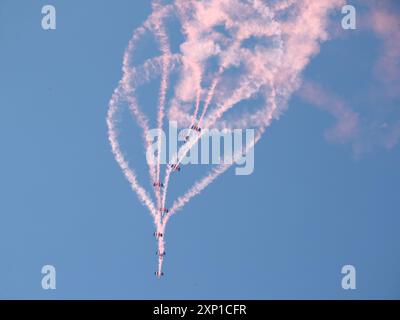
385	23
369	119
347	125
239	63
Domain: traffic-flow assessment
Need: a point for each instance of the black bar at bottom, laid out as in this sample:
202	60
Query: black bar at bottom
203	309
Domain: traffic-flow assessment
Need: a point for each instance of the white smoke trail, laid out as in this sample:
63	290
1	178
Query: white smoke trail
209	97
129	173
190	62
162	37
154	24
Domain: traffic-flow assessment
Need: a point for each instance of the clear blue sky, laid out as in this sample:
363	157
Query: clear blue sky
285	231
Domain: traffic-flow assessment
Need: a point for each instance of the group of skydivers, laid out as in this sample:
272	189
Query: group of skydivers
159	184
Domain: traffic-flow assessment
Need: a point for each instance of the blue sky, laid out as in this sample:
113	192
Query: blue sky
310	207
